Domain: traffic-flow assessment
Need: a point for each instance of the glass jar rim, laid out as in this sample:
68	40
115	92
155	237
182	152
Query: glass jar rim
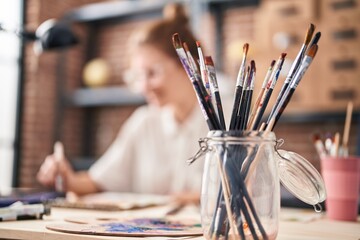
238	136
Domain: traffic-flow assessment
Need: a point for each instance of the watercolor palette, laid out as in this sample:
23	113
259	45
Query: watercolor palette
138	227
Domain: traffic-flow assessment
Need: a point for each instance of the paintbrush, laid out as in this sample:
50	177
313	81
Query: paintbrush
205	103
214	87
319	146
203	71
239	88
191	60
310	54
260	95
241	108
344	146
335	146
328	142
59	156
247	97
271	84
205	92
315	39
295	66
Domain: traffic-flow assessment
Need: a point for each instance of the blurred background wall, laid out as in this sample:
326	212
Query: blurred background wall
60	104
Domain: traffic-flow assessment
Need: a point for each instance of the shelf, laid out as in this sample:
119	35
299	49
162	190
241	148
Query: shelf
114	9
95	12
106	96
317	117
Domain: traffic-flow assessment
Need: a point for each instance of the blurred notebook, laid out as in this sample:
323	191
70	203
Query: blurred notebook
112	201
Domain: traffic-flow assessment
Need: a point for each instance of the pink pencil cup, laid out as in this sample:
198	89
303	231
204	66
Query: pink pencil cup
342	181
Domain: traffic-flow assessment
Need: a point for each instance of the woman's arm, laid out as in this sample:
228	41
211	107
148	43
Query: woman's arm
81	183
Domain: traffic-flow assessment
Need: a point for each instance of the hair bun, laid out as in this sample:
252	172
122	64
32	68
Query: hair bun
175	12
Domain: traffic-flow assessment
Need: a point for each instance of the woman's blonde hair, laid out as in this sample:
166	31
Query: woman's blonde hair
159	33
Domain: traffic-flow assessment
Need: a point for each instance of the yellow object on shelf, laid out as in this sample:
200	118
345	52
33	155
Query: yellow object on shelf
96	73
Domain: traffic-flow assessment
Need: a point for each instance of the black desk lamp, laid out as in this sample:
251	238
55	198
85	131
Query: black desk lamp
50	35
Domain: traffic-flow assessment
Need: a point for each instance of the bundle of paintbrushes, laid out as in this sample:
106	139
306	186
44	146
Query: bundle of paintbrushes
239	211
332	146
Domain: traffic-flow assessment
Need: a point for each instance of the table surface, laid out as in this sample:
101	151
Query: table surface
295	224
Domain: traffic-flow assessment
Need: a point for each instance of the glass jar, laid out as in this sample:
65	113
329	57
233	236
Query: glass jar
240	196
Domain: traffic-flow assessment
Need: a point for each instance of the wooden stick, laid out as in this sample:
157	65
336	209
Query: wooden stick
345	140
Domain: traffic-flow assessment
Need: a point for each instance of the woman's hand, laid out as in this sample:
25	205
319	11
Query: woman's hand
186	198
56	170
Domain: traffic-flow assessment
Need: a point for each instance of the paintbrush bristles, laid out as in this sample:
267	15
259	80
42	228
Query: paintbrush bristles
311	52
176	41
252	65
246	48
186	47
315	39
309	34
208	60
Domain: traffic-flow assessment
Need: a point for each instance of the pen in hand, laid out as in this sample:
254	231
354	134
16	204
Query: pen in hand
59	156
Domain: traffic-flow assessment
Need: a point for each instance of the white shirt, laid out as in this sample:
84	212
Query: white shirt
149	154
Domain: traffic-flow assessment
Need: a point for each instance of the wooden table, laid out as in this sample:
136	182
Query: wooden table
295	224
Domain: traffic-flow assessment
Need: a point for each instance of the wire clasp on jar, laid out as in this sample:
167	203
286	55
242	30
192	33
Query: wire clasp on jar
204	148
